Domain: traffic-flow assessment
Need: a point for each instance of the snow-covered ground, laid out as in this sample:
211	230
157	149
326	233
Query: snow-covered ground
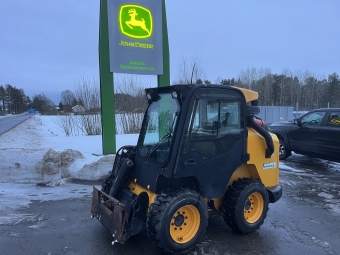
38	152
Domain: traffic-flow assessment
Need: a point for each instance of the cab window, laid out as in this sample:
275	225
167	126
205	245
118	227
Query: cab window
214	123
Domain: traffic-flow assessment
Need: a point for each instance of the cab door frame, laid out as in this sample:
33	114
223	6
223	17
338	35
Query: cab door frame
208	152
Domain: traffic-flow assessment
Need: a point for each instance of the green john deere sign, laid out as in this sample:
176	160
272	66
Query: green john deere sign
135	21
135	36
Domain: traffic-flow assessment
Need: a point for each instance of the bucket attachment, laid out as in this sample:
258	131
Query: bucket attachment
122	218
111	213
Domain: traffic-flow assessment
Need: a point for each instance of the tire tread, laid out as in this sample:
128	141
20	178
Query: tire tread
230	205
155	215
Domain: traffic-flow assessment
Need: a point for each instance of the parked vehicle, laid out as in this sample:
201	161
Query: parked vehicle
314	134
200	154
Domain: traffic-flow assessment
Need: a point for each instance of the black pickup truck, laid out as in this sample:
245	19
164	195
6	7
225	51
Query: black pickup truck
314	134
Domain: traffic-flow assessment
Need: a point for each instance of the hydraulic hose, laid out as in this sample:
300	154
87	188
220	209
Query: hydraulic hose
121	177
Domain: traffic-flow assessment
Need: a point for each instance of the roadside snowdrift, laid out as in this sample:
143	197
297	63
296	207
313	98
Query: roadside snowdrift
37	151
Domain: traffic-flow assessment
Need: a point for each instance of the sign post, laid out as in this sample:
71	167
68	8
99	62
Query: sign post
164	79
106	85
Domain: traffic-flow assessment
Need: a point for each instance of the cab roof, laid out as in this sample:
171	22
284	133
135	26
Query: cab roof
249	95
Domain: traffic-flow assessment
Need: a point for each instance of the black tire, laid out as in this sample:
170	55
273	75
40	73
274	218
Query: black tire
245	205
177	221
283	150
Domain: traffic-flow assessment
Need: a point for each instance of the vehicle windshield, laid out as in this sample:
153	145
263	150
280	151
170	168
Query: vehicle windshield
158	128
313	118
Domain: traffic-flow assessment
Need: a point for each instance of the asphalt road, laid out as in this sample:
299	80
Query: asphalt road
304	221
7	124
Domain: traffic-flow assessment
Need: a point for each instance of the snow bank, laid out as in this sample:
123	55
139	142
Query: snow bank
37	151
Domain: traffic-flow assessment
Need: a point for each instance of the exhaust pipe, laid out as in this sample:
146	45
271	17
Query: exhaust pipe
267	137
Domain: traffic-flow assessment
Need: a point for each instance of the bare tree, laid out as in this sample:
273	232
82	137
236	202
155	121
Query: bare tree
67	123
88	92
67	97
189	72
129	93
130	102
249	76
129	123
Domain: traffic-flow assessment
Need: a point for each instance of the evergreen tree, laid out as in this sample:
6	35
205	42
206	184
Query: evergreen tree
334	90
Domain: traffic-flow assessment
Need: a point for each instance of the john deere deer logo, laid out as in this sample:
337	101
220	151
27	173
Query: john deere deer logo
135	21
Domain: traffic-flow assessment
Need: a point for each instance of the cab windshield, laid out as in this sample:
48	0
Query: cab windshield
158	128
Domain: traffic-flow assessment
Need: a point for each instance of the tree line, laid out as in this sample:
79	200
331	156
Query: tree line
301	89
128	92
13	100
129	97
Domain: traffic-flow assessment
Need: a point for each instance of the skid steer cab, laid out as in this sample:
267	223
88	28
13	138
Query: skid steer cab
200	153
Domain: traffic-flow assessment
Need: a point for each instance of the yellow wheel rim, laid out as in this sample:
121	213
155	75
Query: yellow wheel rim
185	224
253	207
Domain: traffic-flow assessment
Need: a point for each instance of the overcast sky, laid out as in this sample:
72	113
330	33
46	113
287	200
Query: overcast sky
46	46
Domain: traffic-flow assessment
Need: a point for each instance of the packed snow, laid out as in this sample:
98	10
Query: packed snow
38	151
37	162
